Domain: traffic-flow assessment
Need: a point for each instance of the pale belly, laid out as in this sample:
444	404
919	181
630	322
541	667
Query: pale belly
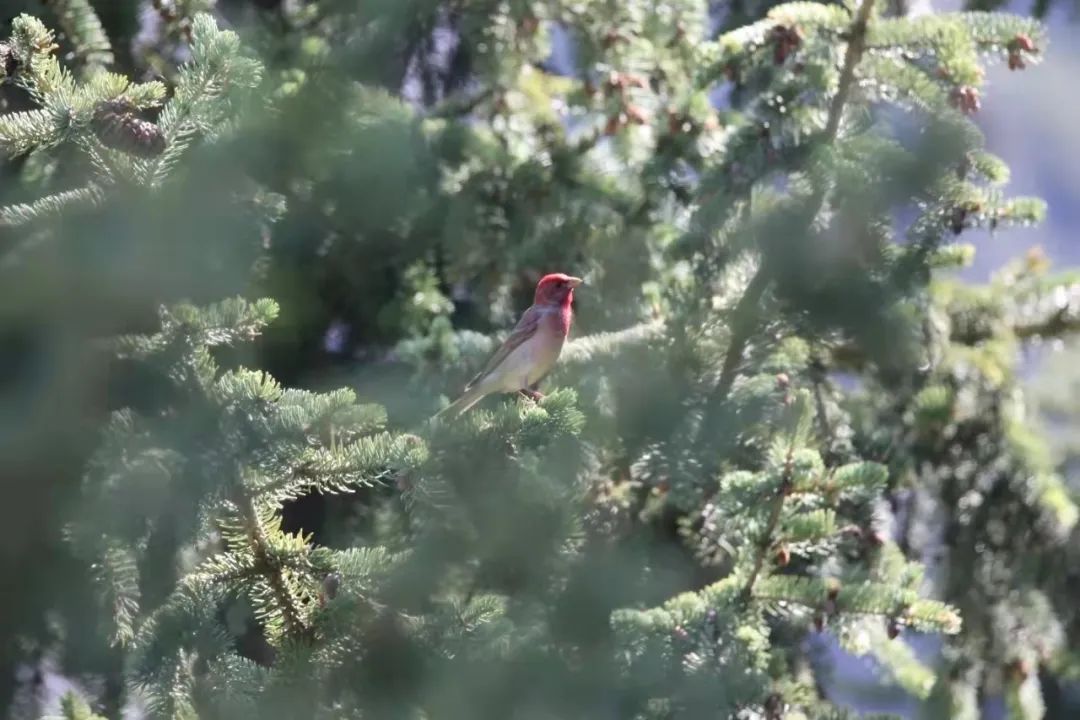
530	361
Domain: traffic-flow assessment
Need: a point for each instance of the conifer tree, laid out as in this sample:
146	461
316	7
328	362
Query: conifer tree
782	417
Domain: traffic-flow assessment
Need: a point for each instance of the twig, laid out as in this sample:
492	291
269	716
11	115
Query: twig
774	519
744	322
817	371
457	106
291	614
1062	322
814	606
856	45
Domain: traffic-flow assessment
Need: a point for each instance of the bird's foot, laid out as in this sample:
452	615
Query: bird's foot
532	394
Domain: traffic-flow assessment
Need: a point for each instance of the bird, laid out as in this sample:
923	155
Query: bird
531	350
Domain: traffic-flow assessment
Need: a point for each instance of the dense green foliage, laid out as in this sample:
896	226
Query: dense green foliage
243	268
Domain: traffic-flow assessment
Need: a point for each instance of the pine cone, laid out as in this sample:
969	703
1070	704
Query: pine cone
676	122
782	556
529	25
611	37
331	583
774	707
1021	42
960	214
117	126
9	62
966	99
957	218
786	40
1019	670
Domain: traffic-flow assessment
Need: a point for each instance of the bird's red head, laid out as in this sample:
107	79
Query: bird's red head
556	289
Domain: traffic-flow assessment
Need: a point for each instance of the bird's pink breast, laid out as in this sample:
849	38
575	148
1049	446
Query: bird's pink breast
559	322
564	317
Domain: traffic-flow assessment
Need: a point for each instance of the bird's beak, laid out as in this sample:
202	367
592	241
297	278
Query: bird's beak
574	282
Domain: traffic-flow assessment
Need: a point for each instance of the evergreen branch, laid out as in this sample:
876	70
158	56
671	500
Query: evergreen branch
1052	309
23	213
222	323
225	568
73	707
1063	321
179	123
855	47
900	661
744	322
168	629
21	132
585	349
863	599
986	30
746	312
1048	309
822	410
765	541
1057	321
202	98
365	462
810	526
39	72
117	576
291	614
177	702
83	28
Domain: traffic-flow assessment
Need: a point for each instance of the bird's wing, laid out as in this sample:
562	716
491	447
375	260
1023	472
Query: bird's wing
526	327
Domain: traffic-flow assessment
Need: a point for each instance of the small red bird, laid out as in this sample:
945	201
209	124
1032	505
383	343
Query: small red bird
532	348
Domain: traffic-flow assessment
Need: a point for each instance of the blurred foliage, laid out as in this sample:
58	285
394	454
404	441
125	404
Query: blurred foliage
783	418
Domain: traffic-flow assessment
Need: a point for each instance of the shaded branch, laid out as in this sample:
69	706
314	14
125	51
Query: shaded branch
1059	323
292	617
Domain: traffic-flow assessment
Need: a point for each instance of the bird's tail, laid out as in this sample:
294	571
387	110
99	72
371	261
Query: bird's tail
463	403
